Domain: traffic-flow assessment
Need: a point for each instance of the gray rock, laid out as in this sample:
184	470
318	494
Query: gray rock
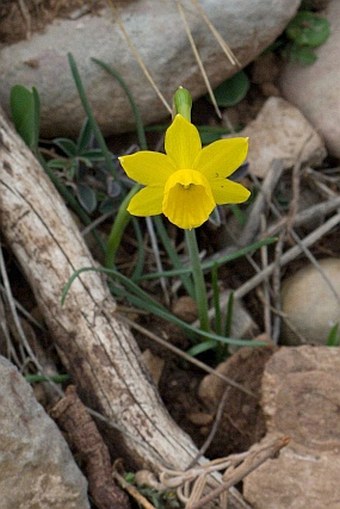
157	31
314	89
288	137
300	399
37	469
310	303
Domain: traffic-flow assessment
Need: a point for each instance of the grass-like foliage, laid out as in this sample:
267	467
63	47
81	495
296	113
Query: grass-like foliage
73	166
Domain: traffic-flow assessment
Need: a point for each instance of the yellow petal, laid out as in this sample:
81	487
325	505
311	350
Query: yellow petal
182	142
148	168
188	200
221	158
226	191
147	202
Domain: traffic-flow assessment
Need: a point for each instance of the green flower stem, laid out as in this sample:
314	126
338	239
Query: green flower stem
118	227
182	105
198	277
172	254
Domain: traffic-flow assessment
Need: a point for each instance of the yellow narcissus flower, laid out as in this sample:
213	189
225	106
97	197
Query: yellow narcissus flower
188	181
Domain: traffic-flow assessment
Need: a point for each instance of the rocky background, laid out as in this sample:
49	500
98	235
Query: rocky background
291	114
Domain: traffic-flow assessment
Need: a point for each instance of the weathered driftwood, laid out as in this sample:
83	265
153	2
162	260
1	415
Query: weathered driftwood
98	350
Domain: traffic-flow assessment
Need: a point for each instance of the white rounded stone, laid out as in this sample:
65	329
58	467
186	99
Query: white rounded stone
310	303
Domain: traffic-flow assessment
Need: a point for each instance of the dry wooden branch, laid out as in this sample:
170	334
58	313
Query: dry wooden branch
98	350
84	437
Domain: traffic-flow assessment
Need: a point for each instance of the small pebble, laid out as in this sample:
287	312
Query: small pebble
200	418
185	308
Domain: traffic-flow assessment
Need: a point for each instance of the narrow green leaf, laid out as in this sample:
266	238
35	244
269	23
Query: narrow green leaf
57	379
25	110
143	300
134	108
93	154
91	118
220	261
202	347
84	137
229	314
216	298
333	338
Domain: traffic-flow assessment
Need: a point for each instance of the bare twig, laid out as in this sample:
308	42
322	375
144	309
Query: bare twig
190	484
185	356
138	57
203	449
287	257
132	491
296	238
23	311
6	346
85	231
225	47
317	265
19	331
261	202
256	457
27	17
294	203
198	58
276	287
155	249
313	212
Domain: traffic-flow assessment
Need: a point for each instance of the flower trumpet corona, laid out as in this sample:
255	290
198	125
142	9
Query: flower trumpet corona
188	181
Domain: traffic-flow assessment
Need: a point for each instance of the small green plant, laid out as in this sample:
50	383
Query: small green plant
233	90
159	499
333	338
76	167
57	379
192	182
25	110
183	141
303	34
82	168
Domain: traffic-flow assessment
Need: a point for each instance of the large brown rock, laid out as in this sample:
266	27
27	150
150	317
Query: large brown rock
301	399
